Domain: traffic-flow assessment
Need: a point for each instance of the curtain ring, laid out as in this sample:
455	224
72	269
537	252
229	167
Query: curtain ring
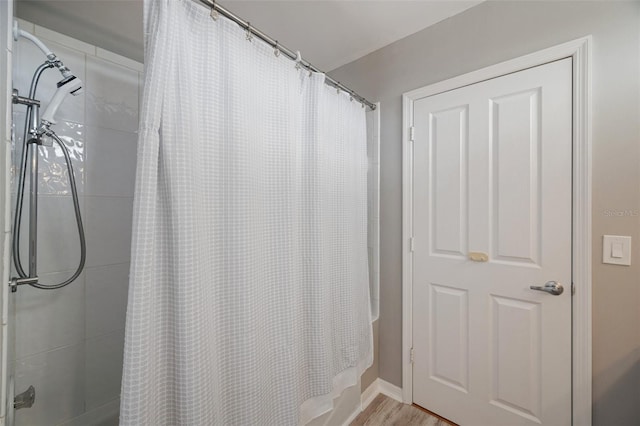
277	50
249	34
214	12
298	60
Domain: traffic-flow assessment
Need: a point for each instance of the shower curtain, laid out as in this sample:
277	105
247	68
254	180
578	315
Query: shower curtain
249	294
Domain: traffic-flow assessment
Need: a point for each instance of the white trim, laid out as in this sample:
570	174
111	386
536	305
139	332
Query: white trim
390	390
369	394
407	254
582	234
378	387
580	51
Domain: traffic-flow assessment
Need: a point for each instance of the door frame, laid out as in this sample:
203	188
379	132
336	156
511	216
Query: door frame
580	51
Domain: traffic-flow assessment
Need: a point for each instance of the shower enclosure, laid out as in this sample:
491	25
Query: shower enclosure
67	343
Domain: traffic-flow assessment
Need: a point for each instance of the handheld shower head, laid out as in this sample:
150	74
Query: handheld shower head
69	85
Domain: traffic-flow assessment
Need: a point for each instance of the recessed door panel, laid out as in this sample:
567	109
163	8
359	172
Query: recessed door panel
449	336
516	356
515	144
447	142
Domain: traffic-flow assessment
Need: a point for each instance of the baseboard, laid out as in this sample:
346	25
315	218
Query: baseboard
369	394
392	391
380	386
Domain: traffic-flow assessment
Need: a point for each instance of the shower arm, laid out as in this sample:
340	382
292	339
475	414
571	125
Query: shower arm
51	57
17	33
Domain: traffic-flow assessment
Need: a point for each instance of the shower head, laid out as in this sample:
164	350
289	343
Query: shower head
69	85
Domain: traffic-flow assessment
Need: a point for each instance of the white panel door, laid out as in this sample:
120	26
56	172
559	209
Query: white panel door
492	176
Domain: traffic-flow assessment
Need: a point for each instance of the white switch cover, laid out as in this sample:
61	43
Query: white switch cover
616	250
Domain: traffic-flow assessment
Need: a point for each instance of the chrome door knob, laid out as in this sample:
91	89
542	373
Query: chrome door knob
551	287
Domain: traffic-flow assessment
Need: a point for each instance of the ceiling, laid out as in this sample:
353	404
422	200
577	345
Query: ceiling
329	33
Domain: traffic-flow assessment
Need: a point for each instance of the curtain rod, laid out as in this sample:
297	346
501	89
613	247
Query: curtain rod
283	49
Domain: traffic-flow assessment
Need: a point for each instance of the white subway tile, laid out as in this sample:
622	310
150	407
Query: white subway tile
106	299
112	95
111	162
58	240
108	230
58	377
104	358
53	176
48	35
47	320
118	59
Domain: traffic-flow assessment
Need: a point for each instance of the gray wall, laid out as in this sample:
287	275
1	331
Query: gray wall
493	32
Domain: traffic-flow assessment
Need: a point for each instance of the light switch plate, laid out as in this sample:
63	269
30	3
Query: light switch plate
616	250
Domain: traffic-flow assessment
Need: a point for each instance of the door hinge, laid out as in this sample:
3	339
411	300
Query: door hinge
412	133
573	289
411	356
412	244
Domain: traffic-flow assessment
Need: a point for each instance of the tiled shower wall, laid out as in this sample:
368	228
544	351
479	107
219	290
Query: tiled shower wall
69	342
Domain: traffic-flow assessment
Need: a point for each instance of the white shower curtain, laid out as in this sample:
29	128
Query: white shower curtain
249	295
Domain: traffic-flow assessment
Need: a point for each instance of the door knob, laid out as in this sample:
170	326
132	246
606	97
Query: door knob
551	287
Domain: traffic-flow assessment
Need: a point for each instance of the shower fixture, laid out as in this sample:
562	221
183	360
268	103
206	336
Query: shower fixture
69	85
38	132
